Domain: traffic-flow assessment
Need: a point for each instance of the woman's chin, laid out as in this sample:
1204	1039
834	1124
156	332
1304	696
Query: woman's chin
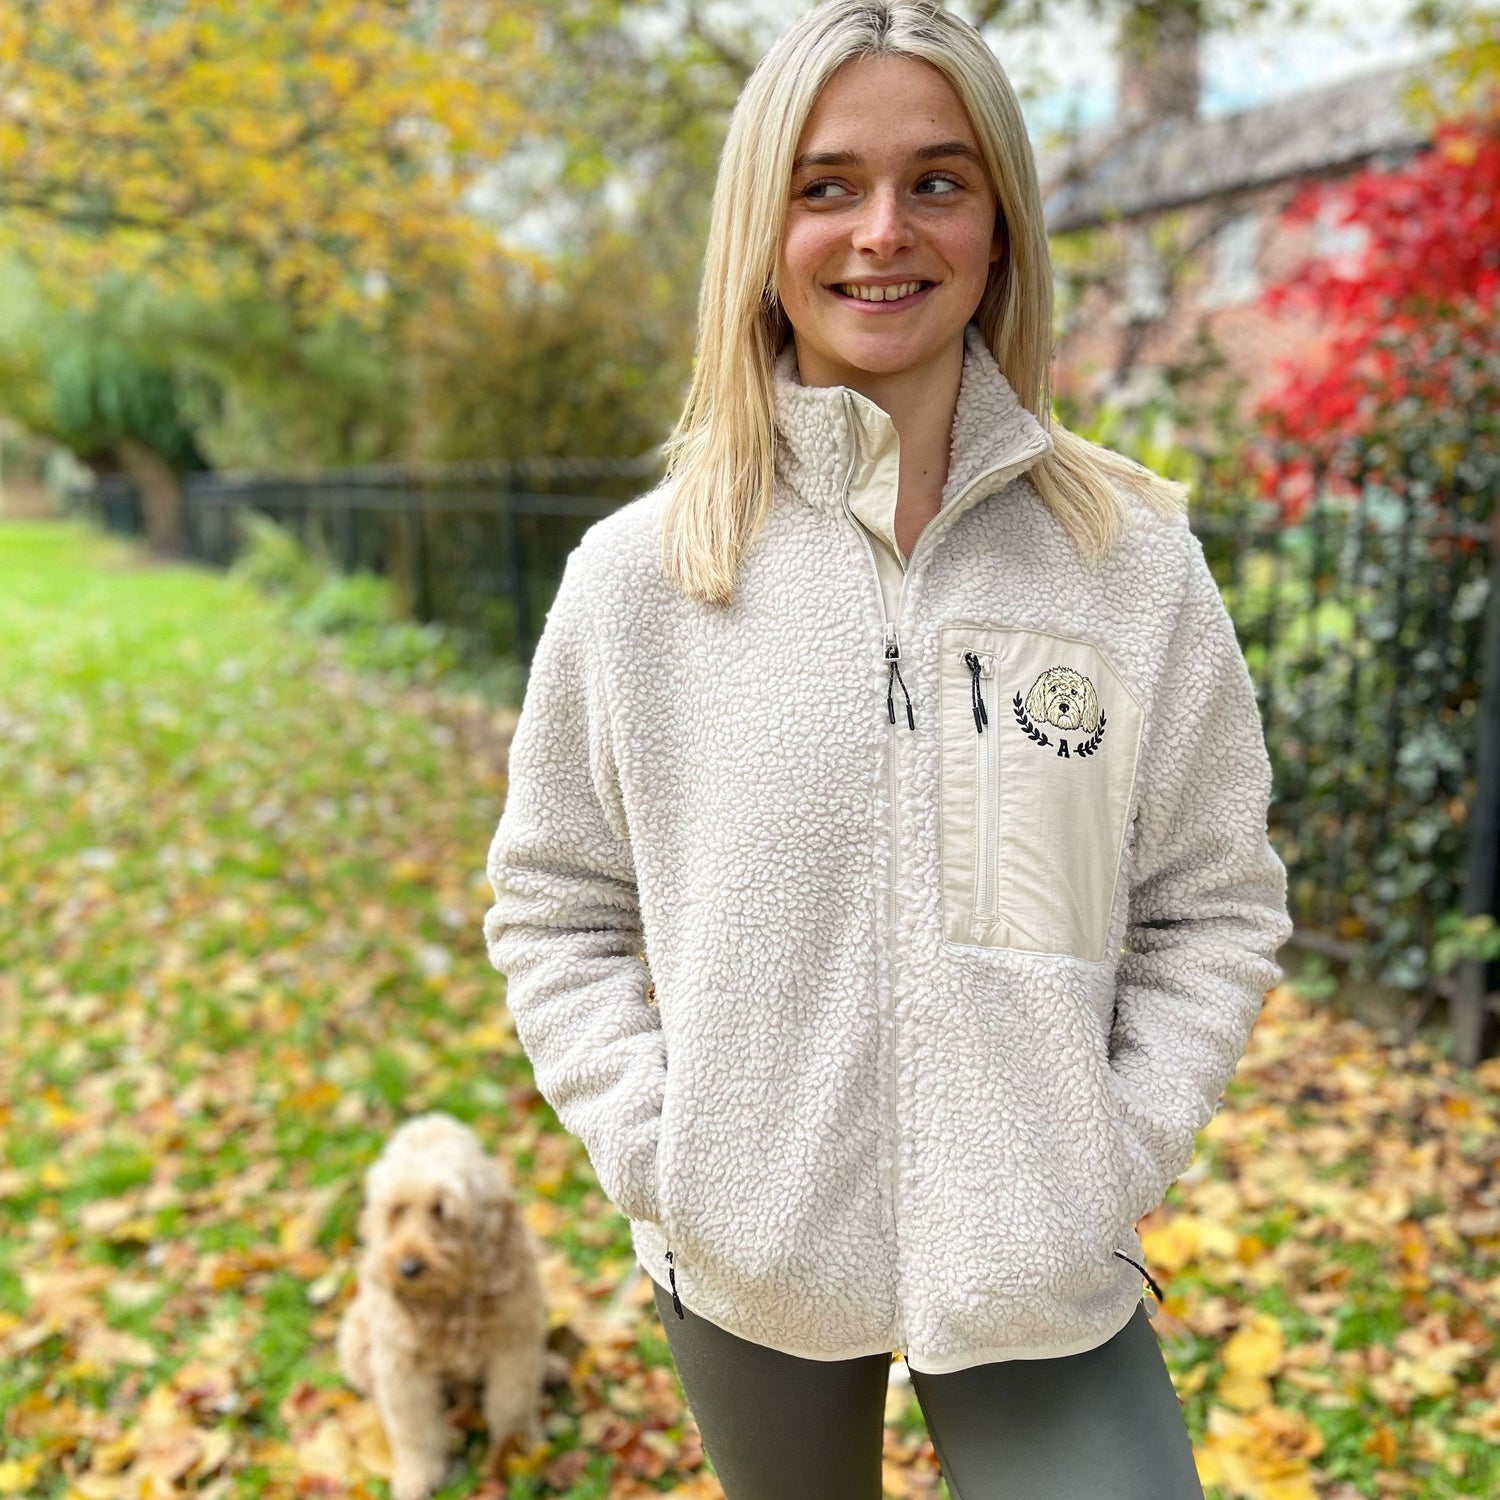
890	351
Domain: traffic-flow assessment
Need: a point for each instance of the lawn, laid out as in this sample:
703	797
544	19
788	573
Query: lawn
245	885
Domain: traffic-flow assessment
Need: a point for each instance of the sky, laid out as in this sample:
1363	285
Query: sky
1067	68
1065	71
1071	67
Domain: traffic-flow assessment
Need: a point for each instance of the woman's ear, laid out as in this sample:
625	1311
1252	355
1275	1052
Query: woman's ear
998	239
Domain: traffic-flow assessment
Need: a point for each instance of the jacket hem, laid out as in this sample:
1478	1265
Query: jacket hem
915	1361
1002	1353
796	1353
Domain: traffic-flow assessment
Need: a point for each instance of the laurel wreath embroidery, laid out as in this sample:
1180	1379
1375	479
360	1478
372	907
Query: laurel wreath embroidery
1024	720
1091	744
1084	747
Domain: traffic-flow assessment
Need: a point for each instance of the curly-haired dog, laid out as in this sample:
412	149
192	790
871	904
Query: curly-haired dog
1065	698
449	1296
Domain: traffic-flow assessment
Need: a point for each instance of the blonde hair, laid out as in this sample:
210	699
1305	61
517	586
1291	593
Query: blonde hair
721	455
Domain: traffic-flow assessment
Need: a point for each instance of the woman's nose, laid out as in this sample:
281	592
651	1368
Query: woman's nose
883	226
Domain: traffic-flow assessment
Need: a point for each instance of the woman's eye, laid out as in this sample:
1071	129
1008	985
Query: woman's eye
947	185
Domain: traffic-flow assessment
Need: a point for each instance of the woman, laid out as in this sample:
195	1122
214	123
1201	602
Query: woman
901	741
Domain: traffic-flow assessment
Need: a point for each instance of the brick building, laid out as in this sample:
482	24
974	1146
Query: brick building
1164	224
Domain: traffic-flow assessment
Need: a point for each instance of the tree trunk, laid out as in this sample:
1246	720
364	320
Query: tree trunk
161	495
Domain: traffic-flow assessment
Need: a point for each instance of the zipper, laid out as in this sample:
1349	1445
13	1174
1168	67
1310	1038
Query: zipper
1156	1290
890	645
981	665
672	1277
891	653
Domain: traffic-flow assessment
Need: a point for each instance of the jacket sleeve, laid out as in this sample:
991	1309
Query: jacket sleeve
1208	897
565	925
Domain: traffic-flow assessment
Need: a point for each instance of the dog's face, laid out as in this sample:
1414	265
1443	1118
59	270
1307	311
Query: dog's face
428	1237
1065	698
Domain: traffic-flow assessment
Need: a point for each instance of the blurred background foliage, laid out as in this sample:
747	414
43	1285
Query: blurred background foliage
347	232
246	236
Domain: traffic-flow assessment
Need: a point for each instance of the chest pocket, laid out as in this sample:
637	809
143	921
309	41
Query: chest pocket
1040	738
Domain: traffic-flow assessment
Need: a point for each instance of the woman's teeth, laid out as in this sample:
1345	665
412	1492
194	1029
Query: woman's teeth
880	293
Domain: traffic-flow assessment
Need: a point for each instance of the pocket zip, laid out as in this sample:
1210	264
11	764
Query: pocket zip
672	1277
1156	1290
981	667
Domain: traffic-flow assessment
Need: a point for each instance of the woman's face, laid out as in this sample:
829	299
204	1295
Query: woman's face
907	200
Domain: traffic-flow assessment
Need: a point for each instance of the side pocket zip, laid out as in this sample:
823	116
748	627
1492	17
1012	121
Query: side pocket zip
672	1276
1156	1290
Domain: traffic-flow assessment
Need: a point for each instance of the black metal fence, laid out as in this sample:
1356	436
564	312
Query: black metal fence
1370	628
478	545
1364	626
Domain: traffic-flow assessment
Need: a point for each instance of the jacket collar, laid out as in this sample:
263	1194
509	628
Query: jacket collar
829	436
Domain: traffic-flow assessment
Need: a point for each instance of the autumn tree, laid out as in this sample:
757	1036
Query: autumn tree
317	156
1406	385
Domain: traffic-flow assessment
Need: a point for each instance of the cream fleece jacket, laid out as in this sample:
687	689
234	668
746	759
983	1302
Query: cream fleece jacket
953	949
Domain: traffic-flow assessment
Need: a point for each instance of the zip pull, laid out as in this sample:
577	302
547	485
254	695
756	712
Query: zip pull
672	1275
1160	1300
893	655
979	666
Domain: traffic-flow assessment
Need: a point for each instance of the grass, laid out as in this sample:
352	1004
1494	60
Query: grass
245	887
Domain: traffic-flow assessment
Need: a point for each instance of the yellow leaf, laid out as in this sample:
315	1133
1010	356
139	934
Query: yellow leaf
91	1486
1243	1391
326	1450
1263	1456
111	1457
138	1231
1256	1348
298	1232
492	1035
325	1288
313	1099
1185	1238
216	1444
105	1214
58	1115
1173	1244
18	1474
1485	1425
367	1440
1382	1443
110	1346
1432	1373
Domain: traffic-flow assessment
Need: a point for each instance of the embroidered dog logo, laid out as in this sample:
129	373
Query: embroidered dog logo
1065	699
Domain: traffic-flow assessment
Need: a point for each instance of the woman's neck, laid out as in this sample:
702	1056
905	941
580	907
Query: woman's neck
920	402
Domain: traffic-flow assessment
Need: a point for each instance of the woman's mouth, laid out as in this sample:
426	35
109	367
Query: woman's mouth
878	299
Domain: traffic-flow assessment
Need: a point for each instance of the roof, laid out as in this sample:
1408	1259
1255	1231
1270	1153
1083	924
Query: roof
1184	160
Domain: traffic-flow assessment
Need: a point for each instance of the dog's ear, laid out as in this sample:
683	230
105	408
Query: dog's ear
494	1218
1036	699
495	1225
1090	719
495	1197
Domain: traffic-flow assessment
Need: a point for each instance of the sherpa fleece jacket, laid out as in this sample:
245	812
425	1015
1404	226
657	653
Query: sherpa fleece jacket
888	961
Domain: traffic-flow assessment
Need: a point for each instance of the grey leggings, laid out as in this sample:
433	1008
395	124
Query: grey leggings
1101	1425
